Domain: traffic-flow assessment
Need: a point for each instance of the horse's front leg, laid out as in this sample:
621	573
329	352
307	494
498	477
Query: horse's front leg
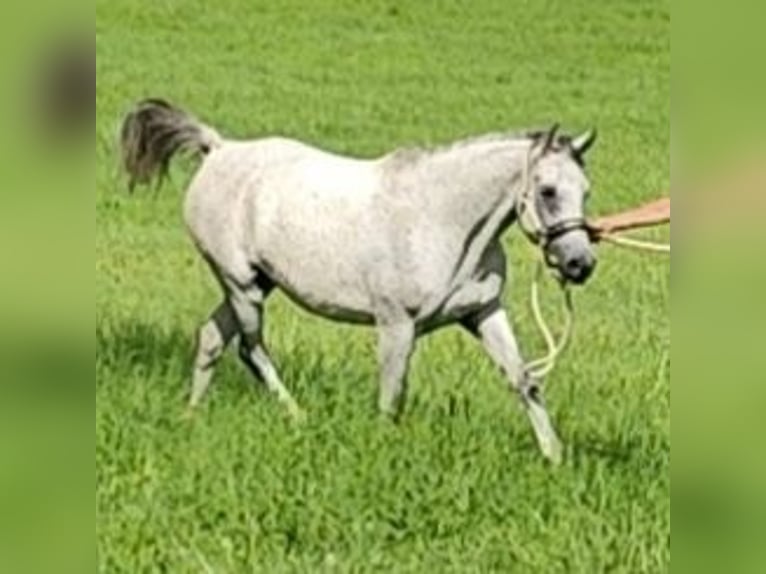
494	330
396	340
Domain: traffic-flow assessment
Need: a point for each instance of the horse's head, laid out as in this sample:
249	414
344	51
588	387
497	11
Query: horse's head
552	202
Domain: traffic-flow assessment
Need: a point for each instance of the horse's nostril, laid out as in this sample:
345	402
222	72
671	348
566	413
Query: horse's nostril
575	266
579	268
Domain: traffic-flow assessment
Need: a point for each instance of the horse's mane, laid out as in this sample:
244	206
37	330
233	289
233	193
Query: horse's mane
413	154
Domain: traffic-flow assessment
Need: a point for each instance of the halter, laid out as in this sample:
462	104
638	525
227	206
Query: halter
536	231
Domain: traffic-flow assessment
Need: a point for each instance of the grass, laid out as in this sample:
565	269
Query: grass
459	486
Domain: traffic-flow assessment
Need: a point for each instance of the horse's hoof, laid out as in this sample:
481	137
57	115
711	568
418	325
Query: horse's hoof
188	414
390	417
553	452
296	414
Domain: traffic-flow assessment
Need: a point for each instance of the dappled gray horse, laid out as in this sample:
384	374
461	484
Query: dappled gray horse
409	242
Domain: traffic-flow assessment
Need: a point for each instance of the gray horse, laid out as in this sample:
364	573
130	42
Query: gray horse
409	242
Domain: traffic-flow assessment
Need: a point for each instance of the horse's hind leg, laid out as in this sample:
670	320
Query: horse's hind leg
248	306
494	330
213	338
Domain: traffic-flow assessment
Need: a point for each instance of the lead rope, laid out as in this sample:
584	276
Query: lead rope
542	366
638	244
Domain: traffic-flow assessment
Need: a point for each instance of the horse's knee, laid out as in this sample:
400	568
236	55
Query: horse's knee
211	344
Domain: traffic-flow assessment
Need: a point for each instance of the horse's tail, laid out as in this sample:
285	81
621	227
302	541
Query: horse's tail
153	132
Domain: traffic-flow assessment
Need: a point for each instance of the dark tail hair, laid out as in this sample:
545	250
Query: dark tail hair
153	132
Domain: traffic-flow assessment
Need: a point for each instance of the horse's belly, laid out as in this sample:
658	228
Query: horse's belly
337	308
324	274
323	289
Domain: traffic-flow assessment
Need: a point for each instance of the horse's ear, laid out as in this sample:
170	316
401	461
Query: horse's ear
550	137
581	144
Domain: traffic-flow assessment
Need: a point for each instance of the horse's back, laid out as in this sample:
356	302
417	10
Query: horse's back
300	186
266	173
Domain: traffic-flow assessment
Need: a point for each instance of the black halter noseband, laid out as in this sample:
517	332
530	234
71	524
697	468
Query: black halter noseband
547	235
550	234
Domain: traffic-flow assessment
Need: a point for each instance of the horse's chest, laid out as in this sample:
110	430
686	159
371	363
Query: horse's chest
483	286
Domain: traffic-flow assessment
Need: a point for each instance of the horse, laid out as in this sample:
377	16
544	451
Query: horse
409	242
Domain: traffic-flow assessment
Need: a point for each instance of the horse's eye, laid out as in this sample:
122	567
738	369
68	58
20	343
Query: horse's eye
548	192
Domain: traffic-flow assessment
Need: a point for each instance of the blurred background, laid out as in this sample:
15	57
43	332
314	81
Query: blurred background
719	283
47	113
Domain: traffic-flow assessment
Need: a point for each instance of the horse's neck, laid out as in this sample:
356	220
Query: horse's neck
477	184
477	195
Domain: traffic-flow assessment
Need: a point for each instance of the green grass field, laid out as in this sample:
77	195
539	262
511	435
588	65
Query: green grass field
459	486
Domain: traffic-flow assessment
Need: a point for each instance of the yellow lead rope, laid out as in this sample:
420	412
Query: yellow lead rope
541	367
639	244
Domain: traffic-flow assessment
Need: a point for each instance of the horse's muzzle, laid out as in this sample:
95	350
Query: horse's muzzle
578	269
